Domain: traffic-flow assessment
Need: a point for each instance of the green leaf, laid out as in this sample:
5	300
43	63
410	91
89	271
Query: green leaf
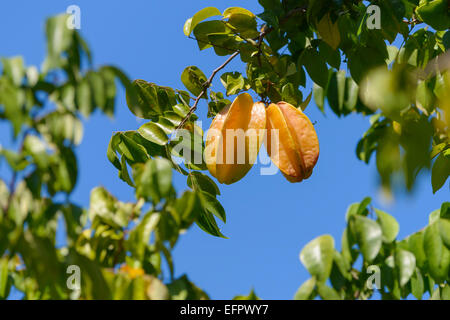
66	170
417	284
40	255
139	237
436	295
392	13
203	182
392	54
251	296
142	99
207	223
332	57
342	264
187	207
445	210
353	209
193	79
203	14
134	152
388	224
109	83
348	252
445	292
59	39
16	161
368	235
233	82
446	40
434	216
97	88
58	35
434	13
406	264
415	243
317	257
319	96
189	145
336	91
183	289
204	29
106	209
14	69
181	110
123	172
32	74
306	290
95	277
5	282
424	97
236	10
131	93
327	293
364	59
329	31
444	228
173	117
75	218
152	132
4	195
166	125
245	25
84	97
153	179
224	44
437	149
315	65
362	208
12	101
59	127
437	254
291	95
212	205
305	103
351	95
217	103
111	151
440	172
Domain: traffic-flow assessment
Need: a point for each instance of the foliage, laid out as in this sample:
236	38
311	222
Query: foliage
403	88
289	47
416	265
109	241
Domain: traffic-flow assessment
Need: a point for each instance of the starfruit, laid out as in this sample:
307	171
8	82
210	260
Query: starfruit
234	139
291	141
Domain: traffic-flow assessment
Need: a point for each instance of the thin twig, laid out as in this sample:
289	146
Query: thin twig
206	85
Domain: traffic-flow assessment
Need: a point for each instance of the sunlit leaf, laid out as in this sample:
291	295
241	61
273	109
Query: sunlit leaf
368	235
203	14
317	257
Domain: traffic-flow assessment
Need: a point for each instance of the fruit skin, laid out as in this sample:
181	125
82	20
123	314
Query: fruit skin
241	114
296	150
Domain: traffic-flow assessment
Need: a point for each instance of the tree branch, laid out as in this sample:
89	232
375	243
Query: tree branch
206	85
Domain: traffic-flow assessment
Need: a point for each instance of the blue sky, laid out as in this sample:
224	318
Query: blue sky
269	219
